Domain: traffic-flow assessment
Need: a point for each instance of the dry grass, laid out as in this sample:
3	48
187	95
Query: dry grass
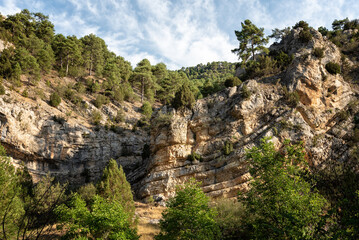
148	218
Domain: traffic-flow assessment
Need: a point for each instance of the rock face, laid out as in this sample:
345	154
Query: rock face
228	118
72	152
157	160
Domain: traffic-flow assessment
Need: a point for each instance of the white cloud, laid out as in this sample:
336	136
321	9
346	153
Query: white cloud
9	7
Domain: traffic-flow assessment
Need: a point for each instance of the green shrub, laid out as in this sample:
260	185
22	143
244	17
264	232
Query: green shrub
333	68
232	81
25	93
228	147
305	36
282	59
232	219
2	89
162	120
301	24
188	215
184	98
318	52
100	100
119	117
96	117
291	98
245	92
147	110
55	99
194	157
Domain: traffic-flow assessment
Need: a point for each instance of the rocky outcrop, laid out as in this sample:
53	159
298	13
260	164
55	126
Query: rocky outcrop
40	137
228	118
157	160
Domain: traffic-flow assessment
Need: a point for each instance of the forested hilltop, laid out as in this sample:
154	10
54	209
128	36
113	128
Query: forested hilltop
266	148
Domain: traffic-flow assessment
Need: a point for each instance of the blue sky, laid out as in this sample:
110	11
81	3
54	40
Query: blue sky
178	33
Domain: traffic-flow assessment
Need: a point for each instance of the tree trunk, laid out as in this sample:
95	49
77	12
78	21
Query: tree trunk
90	70
142	89
67	65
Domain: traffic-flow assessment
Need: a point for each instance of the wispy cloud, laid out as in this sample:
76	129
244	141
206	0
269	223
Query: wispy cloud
178	33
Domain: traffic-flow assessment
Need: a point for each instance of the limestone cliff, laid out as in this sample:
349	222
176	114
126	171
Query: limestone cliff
75	151
228	118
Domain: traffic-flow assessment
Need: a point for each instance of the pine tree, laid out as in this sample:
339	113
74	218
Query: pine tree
143	76
114	187
251	40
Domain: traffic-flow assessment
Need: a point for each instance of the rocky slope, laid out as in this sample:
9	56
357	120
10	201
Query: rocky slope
75	151
228	118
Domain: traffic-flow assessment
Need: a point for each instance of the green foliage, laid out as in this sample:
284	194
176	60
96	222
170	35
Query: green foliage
162	120
113	186
87	192
301	24
305	36
147	110
55	99
103	219
188	215
281	199
228	147
11	205
204	79
183	98
279	34
251	40
232	81
96	117
245	92
318	52
2	89
119	116
291	98
332	68
194	157
232	219
282	59
100	100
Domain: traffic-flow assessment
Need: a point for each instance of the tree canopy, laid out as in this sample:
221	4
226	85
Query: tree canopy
251	40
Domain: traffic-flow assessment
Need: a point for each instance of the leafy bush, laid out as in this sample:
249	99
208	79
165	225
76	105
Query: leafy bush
55	99
305	36
100	100
318	52
194	157
232	81
228	147
102	219
96	117
245	92
282	59
119	116
281	199
301	24
188	215
147	110
333	68
232	219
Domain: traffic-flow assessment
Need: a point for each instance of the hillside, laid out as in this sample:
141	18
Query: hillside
70	105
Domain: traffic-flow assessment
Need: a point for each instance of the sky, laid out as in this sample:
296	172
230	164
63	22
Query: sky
178	33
